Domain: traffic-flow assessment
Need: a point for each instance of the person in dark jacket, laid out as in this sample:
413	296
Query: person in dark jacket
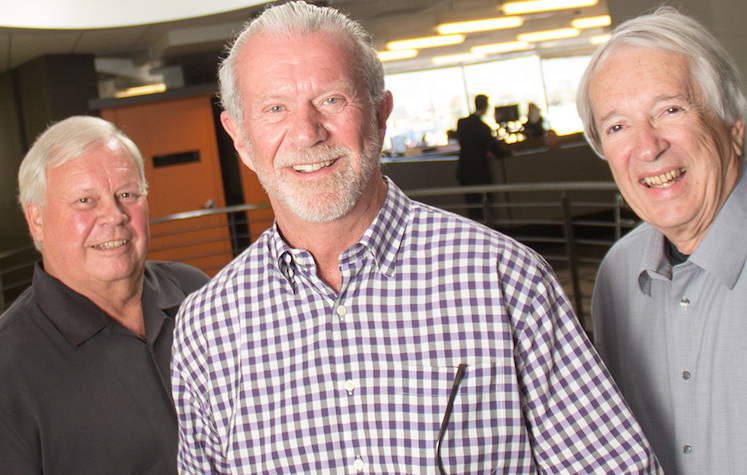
476	145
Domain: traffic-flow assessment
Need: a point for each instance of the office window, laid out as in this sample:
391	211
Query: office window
561	76
429	102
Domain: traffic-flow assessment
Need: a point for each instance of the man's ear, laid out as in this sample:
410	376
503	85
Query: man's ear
383	112
237	135
35	222
737	138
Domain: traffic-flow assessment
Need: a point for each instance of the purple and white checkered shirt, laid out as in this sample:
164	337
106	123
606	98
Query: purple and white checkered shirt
275	372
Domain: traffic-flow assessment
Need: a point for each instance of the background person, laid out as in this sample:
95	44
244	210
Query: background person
662	101
534	125
338	341
476	145
84	352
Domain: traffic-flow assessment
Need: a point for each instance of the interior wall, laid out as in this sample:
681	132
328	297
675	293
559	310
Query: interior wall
13	232
32	96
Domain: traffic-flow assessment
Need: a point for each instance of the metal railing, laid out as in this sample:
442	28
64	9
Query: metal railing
571	225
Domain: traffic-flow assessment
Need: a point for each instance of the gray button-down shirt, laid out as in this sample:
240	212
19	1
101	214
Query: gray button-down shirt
674	340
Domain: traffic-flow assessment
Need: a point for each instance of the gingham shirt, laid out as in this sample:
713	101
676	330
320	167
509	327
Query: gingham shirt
275	372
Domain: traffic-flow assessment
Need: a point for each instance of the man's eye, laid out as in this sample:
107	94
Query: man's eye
332	100
673	110
84	201
614	128
276	109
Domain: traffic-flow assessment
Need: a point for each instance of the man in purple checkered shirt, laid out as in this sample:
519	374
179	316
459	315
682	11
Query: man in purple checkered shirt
366	332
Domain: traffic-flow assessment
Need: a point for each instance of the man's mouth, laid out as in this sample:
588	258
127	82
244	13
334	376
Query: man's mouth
312	167
665	180
110	244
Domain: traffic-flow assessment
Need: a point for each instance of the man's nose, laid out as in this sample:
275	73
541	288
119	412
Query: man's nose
649	142
307	126
111	211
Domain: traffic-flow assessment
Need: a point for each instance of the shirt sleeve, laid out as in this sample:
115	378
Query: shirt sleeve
199	444
577	418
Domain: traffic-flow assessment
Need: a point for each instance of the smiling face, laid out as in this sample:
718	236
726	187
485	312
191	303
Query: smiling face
309	132
674	161
93	225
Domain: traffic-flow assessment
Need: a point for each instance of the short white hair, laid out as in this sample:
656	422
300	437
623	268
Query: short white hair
667	30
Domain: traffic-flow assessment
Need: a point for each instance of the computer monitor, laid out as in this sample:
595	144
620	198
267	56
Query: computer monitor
505	114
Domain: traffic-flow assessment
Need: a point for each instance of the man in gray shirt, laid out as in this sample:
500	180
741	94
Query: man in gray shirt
663	102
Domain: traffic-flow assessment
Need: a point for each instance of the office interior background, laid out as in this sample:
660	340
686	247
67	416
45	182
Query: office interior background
150	67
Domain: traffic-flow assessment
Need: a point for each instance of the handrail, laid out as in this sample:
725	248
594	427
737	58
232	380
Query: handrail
542	215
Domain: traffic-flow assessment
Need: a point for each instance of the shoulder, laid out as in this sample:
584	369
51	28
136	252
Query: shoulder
17	312
185	276
630	248
468	240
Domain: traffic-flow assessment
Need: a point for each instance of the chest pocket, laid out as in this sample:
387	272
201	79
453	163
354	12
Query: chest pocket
406	407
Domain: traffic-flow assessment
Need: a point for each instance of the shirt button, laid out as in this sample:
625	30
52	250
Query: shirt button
341	310
349	386
687	449
359	464
685	302
686	375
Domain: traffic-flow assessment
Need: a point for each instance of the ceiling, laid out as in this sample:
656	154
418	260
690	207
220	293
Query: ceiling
190	48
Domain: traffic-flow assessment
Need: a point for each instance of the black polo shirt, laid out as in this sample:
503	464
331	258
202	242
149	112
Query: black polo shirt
79	392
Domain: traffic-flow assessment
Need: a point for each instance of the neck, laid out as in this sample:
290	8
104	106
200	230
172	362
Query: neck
326	241
122	301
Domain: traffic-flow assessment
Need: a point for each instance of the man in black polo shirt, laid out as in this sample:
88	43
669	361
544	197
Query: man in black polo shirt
84	352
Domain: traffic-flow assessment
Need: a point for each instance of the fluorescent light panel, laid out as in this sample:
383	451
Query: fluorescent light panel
599	39
497	48
480	25
141	90
547	35
592	22
531	6
398	54
427	42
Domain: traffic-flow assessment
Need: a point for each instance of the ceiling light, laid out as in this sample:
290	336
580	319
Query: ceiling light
141	90
456	58
497	48
547	35
531	6
427	42
480	25
399	54
592	22
599	39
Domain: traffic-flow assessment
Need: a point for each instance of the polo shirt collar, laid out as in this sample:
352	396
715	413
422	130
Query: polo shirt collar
78	319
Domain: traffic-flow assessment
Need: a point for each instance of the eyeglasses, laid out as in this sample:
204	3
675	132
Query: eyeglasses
447	414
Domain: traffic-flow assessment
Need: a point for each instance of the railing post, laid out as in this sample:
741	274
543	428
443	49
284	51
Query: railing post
570	242
487	209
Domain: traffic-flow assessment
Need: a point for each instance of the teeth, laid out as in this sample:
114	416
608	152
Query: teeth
664	180
312	167
111	244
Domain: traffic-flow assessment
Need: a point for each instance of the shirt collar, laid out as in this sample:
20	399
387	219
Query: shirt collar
722	252
382	239
78	319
